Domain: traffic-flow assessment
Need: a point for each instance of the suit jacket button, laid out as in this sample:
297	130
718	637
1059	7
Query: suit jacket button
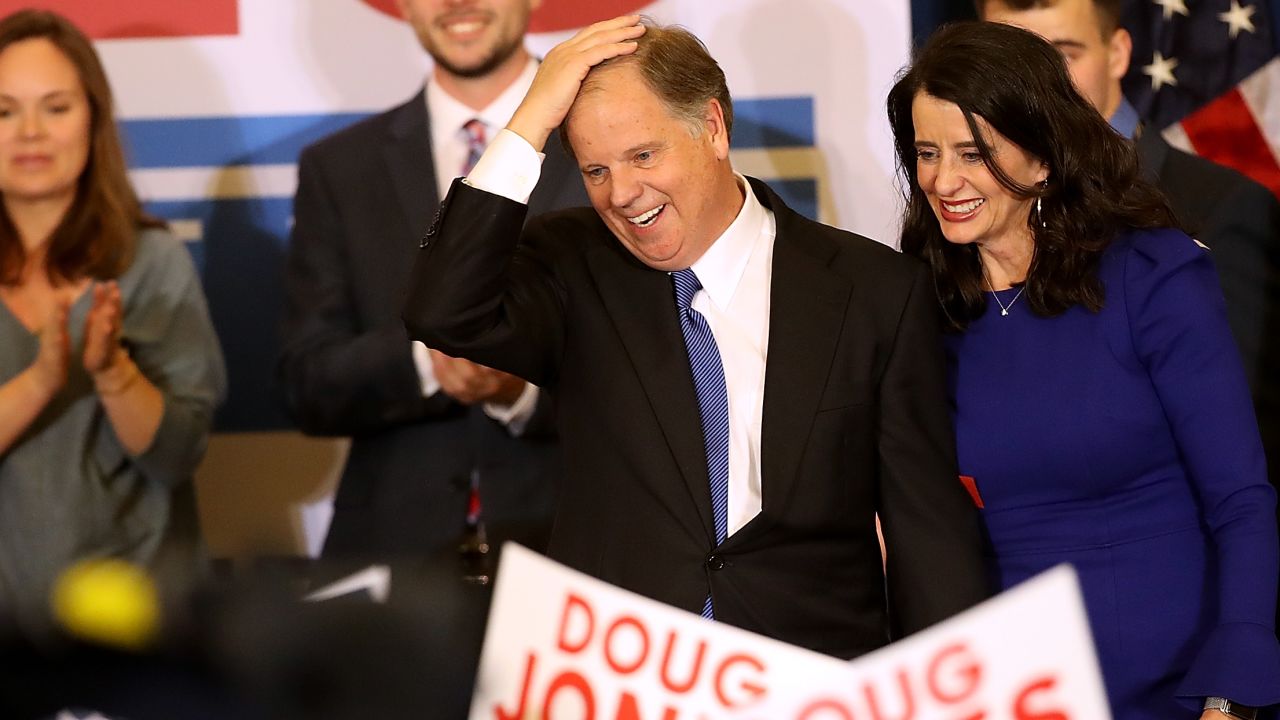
715	562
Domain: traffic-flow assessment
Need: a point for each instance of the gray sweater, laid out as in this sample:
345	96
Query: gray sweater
68	489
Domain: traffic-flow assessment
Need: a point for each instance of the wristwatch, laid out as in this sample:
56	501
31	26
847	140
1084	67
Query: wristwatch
1233	709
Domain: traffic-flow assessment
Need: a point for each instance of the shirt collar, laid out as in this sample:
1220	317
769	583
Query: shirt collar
720	268
449	114
1125	119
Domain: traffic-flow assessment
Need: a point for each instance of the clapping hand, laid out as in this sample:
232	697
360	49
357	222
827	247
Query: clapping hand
102	328
469	383
50	366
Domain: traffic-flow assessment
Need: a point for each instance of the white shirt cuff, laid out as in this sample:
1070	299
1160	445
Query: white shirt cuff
516	416
426	371
509	167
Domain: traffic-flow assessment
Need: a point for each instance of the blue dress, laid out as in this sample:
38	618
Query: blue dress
1124	443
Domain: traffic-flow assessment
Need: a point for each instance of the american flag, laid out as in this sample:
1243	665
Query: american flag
1206	72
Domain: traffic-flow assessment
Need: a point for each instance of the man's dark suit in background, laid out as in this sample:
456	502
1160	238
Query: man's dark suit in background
422	425
365	198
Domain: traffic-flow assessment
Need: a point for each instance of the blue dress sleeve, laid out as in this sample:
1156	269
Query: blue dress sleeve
1177	316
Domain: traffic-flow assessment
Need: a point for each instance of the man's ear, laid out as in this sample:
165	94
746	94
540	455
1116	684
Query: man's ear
1119	53
717	131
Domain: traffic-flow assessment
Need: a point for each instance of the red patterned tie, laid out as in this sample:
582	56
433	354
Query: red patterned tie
474	130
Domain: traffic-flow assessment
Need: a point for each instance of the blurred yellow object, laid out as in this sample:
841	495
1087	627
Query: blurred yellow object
107	601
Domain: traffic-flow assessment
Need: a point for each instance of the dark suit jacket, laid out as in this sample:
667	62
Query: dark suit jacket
365	197
1239	220
855	420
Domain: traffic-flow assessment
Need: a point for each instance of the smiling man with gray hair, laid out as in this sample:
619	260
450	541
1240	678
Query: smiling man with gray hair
741	389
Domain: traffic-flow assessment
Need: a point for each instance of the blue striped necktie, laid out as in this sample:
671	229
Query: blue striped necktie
713	401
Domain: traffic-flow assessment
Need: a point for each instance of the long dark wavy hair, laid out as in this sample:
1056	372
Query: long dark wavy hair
1019	85
96	236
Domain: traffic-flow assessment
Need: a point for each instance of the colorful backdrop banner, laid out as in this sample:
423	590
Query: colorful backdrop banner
218	97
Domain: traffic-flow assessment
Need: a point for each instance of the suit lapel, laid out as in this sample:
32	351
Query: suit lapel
807	311
807	308
1152	152
642	306
407	152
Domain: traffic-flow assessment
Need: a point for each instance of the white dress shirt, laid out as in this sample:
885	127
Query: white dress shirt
449	142
735	272
450	146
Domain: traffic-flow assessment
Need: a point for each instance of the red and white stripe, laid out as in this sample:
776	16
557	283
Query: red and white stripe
1239	129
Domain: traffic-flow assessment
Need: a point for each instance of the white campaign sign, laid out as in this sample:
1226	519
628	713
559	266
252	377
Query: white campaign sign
563	646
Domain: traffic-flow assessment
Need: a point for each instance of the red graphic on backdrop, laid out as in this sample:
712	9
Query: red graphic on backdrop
554	15
141	18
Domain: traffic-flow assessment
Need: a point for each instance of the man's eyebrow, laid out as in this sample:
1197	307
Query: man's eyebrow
1067	44
651	145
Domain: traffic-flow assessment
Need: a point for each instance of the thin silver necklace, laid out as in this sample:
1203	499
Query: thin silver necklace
1004	309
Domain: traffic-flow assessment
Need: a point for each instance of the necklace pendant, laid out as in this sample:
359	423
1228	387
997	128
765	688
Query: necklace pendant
1003	311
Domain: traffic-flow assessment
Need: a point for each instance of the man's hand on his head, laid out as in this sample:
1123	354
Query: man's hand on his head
562	72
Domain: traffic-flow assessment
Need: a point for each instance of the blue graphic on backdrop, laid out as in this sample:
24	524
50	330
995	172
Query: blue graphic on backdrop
240	253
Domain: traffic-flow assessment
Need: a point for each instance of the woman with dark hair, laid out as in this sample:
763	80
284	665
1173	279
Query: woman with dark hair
109	367
1101	412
